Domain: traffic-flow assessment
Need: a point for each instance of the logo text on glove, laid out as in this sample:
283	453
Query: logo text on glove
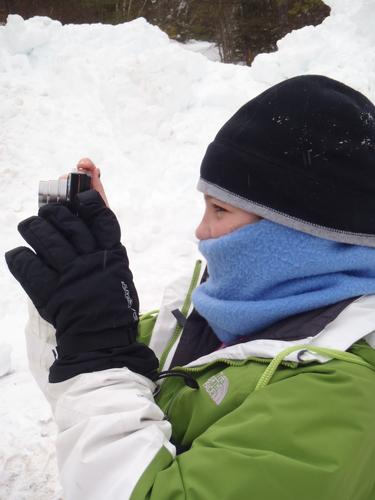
129	300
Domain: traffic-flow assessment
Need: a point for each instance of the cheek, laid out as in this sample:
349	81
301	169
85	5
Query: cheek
223	226
231	222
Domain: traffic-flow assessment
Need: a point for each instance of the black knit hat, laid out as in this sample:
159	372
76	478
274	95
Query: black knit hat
301	154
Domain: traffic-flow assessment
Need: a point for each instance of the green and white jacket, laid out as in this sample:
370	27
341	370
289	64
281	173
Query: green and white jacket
270	419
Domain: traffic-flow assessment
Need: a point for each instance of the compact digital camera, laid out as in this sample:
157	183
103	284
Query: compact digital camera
63	190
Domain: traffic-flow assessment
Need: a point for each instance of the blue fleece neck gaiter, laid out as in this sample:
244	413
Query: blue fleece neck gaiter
264	272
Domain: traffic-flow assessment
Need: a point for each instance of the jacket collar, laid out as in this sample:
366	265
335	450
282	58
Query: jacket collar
354	322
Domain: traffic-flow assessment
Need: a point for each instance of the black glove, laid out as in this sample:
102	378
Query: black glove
79	280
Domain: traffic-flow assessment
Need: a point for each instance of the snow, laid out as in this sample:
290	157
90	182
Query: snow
144	109
208	49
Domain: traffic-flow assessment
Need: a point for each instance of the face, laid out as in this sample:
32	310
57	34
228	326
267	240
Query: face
221	218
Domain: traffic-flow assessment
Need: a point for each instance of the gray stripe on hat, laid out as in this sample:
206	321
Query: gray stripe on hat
284	219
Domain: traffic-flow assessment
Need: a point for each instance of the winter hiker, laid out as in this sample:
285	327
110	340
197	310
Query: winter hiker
255	379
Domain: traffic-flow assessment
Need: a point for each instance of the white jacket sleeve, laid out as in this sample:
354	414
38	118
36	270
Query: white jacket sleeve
110	430
40	344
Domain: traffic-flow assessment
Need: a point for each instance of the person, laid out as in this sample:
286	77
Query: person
256	377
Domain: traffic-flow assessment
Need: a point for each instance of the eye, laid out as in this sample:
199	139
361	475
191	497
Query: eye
218	208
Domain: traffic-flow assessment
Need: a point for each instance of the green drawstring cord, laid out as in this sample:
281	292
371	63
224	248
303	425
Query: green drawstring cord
332	353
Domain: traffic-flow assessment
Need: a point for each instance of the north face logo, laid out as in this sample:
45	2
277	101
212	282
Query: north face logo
217	387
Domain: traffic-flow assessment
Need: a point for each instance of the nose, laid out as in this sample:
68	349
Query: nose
202	232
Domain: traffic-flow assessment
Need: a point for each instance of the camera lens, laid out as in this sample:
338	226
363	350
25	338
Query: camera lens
52	191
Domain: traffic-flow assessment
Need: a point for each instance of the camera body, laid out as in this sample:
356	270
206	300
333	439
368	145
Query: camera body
63	190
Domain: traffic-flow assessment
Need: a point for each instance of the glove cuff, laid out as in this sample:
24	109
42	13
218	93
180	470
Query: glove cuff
137	357
70	345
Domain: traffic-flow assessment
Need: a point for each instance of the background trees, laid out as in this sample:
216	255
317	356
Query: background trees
240	28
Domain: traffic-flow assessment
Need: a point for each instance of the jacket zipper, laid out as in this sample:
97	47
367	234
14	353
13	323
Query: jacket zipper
184	310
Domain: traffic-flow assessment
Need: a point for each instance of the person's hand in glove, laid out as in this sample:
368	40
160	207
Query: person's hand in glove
79	280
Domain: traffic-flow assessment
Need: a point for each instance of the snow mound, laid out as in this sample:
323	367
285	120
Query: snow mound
23	38
144	108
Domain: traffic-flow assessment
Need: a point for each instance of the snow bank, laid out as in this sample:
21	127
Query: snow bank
144	108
